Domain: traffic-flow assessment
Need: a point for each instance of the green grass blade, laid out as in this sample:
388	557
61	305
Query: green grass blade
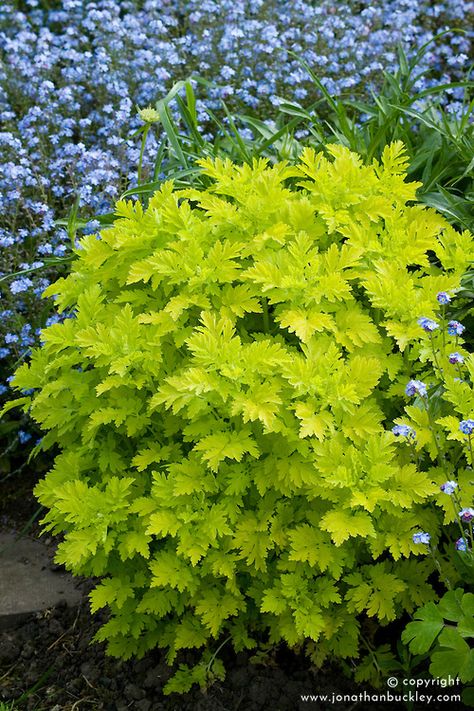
173	136
158	164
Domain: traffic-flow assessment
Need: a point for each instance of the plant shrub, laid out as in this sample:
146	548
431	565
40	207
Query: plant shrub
223	391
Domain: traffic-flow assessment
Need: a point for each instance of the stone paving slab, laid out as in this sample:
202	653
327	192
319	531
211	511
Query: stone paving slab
28	581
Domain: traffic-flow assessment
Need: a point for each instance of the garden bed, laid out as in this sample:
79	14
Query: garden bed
284	449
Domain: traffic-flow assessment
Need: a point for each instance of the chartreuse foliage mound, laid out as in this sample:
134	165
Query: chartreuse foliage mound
222	395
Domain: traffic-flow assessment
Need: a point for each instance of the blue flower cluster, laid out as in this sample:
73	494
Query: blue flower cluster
404	431
348	45
419	388
443	298
416	387
467	427
427	324
73	74
455	328
449	487
466	515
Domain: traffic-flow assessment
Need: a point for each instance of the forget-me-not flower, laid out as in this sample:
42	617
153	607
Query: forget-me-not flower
466	426
416	387
449	487
443	297
427	324
455	328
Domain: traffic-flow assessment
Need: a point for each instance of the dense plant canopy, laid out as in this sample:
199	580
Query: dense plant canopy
222	392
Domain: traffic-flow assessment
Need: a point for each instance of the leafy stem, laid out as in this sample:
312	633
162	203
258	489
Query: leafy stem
435	356
146	129
211	660
457	503
438	567
471	453
432	426
443	321
471	536
372	653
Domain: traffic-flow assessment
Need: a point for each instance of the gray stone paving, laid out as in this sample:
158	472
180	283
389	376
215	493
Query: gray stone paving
28	581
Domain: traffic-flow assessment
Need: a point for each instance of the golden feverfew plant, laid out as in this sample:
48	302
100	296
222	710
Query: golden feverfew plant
223	394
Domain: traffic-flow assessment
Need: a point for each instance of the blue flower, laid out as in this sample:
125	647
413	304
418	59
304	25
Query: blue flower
466	426
416	387
456	358
428	324
466	515
461	545
443	297
455	328
23	436
403	431
421	537
91	227
19	285
449	487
